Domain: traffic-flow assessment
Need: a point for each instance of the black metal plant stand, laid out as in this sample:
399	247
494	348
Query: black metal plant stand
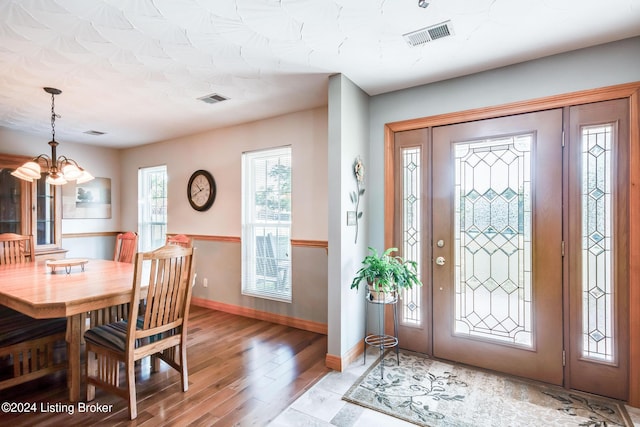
381	340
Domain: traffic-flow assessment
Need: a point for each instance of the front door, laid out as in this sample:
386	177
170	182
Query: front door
497	221
521	235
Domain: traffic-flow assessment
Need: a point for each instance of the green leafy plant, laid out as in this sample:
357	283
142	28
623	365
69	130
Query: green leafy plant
386	272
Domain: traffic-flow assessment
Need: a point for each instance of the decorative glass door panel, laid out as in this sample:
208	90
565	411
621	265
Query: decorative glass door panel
410	308
597	236
597	283
413	214
497	233
492	239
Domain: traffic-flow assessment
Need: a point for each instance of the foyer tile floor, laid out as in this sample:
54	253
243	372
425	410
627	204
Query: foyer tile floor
635	415
322	405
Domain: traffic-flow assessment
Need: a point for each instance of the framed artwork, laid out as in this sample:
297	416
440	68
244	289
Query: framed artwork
89	200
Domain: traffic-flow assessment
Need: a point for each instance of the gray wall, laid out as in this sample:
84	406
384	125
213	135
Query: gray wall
348	139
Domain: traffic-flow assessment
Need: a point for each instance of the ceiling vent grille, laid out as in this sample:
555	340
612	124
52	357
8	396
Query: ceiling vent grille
424	35
214	98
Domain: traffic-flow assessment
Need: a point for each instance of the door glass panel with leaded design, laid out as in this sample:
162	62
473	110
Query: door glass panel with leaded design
597	283
492	239
411	310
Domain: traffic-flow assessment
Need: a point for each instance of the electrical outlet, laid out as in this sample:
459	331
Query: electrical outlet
205	282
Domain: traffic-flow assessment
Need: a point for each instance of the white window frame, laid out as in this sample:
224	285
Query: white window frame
152	209
266	228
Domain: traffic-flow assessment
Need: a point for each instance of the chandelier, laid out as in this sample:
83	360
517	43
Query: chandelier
59	170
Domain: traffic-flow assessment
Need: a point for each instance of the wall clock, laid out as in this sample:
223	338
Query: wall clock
201	190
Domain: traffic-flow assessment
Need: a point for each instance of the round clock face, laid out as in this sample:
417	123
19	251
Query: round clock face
201	190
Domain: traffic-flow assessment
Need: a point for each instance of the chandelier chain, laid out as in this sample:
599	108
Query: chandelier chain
53	117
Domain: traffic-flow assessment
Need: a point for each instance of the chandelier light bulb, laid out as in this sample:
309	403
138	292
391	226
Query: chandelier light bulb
56	180
71	172
84	177
18	174
30	169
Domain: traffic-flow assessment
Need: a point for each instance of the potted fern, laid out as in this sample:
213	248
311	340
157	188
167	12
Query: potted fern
385	275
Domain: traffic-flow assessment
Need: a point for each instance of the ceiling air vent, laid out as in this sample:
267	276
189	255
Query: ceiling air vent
424	35
94	132
213	98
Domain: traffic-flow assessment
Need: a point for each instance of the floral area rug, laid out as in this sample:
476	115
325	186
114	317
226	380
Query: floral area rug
432	393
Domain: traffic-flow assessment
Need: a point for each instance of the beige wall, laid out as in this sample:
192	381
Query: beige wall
220	152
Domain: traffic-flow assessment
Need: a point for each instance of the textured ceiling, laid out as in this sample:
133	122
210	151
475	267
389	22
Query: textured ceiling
135	68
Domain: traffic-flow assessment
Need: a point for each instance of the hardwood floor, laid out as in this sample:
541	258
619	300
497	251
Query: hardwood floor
241	372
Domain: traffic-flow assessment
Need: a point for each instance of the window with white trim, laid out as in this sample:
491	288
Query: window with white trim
152	207
266	224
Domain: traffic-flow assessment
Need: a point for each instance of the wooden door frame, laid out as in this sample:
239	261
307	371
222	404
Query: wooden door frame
631	91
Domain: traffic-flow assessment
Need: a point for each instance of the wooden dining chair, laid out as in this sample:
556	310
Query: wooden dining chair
126	247
125	250
16	248
28	345
180	240
158	329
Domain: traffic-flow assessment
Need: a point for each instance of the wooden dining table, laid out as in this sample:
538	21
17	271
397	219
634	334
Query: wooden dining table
40	291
